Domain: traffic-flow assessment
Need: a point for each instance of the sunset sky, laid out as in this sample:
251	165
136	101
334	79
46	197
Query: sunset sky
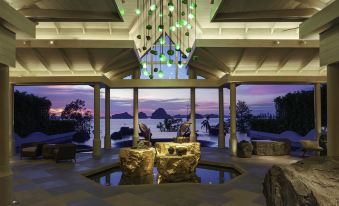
175	101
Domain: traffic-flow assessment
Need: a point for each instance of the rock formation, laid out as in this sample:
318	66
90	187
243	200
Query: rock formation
313	181
137	162
124	115
142	115
160	113
271	148
245	149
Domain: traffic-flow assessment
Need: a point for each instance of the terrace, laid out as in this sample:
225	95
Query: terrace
219	44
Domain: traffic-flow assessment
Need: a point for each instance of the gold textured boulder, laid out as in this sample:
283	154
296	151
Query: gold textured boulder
137	162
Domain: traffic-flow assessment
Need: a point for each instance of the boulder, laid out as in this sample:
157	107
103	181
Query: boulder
116	135
172	168
245	149
192	148
312	181
137	162
271	148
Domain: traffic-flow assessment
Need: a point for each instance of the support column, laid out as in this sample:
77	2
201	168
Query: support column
317	110
135	116
193	137
96	140
233	114
332	109
108	144
11	120
221	139
5	170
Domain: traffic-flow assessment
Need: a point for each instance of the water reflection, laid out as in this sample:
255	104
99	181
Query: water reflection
203	175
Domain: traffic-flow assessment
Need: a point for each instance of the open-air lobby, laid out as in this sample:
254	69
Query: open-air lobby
169	102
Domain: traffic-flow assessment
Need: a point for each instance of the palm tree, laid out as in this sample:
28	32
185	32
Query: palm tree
206	124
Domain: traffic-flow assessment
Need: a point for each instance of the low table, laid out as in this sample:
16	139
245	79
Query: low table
271	148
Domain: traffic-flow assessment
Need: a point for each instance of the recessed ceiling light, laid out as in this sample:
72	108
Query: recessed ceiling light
51	42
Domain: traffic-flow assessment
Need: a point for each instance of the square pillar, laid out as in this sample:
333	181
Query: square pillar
5	170
96	140
193	137
107	143
333	109
135	116
221	139
317	110
233	114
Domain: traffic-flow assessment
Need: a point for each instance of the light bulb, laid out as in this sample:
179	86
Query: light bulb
177	47
169	63
161	74
172	28
144	65
171	6
162	57
177	24
122	12
153	7
189	26
162	41
180	65
191	16
137	11
145	72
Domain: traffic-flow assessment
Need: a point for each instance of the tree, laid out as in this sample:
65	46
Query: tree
31	113
206	123
243	116
76	110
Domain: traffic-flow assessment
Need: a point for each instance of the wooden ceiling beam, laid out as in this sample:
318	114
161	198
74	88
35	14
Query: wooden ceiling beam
284	61
307	60
53	15
115	58
42	59
241	56
287	15
67	60
262	60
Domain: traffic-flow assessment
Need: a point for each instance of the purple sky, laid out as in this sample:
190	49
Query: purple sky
175	101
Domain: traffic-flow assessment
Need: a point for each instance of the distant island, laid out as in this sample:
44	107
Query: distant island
142	115
124	115
160	113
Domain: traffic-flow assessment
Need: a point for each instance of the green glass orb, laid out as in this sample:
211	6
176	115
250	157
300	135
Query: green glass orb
155	69
170	14
137	11
193	5
144	65
187	34
182	13
169	63
150	13
161	28
189	26
177	24
122	12
150	76
145	72
153	7
160	14
184	1
191	16
183	22
162	41
188	50
170	52
171	7
161	74
162	57
180	65
149	27
172	28
154	52
177	47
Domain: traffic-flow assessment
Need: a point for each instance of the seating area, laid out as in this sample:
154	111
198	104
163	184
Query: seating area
57	152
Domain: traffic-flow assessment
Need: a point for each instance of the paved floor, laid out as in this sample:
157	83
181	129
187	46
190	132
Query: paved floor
43	182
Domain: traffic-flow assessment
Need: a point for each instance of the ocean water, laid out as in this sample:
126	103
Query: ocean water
116	124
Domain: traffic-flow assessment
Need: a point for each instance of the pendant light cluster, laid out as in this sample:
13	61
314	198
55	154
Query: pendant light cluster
180	15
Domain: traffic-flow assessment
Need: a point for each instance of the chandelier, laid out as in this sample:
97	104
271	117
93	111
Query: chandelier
161	19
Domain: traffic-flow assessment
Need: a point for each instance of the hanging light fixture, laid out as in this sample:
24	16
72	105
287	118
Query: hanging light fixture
180	16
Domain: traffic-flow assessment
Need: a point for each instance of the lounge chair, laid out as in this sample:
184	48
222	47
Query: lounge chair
145	132
310	146
65	152
32	150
